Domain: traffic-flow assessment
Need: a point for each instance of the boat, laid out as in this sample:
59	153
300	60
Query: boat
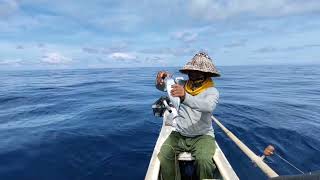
223	171
163	107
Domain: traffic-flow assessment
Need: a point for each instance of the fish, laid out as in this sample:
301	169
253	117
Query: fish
174	100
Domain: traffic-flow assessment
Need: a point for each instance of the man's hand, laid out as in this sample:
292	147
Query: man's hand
178	91
160	77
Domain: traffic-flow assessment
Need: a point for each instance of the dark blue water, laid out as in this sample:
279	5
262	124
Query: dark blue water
98	124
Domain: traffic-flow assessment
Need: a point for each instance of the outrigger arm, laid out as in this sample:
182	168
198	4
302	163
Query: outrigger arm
256	159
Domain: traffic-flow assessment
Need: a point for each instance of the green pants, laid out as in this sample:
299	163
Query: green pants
202	149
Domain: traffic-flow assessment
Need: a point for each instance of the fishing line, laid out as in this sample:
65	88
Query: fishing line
289	163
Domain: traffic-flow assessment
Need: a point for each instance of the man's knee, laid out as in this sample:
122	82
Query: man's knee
205	167
167	152
204	161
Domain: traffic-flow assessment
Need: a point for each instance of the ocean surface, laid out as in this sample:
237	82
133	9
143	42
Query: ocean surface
98	124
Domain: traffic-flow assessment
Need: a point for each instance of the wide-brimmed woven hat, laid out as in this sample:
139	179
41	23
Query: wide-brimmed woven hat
201	62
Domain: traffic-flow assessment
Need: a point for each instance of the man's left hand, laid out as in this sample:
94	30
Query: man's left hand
178	91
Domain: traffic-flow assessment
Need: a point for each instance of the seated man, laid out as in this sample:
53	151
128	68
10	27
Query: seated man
194	131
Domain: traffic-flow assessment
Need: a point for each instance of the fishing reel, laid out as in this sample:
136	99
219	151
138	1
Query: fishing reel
161	105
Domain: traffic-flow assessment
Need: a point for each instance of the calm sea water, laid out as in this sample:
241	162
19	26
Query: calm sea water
98	124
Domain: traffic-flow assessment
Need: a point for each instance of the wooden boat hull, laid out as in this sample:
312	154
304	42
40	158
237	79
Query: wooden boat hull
224	168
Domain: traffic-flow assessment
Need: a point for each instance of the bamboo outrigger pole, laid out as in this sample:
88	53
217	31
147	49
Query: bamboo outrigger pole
256	159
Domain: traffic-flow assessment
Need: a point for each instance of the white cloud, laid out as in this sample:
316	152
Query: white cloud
7	7
236	43
90	50
217	9
185	36
116	47
55	58
19	23
16	62
122	56
176	51
289	48
156	60
131	33
119	22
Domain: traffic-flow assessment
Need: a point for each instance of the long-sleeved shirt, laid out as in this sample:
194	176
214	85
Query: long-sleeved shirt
194	113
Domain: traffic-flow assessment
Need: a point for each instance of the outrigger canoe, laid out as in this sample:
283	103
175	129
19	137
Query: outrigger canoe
223	171
164	108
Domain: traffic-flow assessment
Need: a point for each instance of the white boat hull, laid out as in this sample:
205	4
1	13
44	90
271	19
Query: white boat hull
224	167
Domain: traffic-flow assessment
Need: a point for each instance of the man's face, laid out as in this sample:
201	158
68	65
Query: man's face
196	75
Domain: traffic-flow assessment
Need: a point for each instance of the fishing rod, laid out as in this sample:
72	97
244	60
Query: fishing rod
255	158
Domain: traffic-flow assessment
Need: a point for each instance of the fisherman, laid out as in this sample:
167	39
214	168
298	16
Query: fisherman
193	131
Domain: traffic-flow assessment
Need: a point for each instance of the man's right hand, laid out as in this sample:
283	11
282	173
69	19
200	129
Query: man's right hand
160	77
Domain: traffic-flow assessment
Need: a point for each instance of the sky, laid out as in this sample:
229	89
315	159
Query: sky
64	34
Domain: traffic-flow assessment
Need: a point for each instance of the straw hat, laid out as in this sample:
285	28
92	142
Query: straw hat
201	62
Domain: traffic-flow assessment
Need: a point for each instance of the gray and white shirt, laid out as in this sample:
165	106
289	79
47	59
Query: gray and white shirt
194	113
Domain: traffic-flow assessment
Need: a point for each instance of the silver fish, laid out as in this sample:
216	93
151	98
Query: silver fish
174	100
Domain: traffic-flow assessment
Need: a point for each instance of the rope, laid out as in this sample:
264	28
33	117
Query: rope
289	163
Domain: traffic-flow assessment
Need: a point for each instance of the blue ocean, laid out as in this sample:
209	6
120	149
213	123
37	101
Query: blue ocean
98	123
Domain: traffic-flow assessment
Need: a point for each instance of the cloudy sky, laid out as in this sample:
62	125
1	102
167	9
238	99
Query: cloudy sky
47	34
